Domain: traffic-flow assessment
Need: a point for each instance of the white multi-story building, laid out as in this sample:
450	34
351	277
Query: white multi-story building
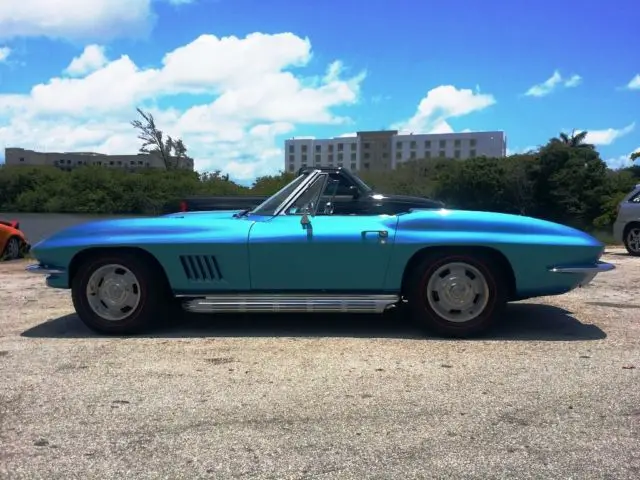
70	160
385	149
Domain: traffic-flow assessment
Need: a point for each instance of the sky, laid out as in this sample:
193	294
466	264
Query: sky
235	78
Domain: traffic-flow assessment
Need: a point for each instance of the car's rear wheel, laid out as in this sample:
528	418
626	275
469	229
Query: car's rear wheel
119	294
11	249
457	294
632	240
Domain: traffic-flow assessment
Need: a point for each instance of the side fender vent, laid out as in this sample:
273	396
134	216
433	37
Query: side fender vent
201	268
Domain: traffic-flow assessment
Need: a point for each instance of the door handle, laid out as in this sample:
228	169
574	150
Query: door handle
381	233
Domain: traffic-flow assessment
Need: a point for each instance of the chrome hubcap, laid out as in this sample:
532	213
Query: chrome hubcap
113	292
457	292
633	239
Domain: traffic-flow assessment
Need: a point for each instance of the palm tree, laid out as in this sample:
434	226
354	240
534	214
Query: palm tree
574	140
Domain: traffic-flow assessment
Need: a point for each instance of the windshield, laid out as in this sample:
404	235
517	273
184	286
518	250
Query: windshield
271	204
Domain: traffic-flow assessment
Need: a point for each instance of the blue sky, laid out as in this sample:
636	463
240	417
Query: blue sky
322	68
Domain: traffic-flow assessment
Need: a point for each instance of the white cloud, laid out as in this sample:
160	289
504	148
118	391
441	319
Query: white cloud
4	53
254	98
607	136
573	81
91	59
442	103
622	161
74	19
634	83
551	83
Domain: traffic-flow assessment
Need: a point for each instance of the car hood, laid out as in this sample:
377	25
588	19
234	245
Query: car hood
179	226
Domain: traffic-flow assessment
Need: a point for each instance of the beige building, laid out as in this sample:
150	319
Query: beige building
70	160
385	149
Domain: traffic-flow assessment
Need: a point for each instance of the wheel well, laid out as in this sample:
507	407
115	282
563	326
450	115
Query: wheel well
84	255
502	262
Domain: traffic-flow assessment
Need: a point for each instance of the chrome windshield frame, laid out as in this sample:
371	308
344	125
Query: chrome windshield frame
297	192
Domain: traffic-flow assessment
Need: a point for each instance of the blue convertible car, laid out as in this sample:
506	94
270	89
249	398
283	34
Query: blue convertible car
454	269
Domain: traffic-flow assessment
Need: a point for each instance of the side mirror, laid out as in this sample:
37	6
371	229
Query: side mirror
355	193
304	220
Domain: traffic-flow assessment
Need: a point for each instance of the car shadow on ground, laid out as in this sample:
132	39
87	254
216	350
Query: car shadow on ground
521	322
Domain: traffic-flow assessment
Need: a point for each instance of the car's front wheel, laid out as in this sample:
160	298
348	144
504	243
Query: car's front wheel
457	294
118	294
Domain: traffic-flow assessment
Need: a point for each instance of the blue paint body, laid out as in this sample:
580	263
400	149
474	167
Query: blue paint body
207	252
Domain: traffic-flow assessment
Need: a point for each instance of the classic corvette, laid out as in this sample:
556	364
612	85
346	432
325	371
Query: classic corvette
13	242
452	270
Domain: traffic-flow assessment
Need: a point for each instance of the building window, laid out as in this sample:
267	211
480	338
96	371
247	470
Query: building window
340	146
304	148
413	144
353	166
22	159
441	154
427	154
331	148
339	157
472	142
443	143
366	165
353	147
456	154
384	155
317	158
367	155
398	155
413	155
427	144
111	163
367	145
291	148
330	158
353	157
472	153
291	158
317	148
456	142
399	145
291	167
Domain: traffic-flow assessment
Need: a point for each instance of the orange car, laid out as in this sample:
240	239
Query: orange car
13	243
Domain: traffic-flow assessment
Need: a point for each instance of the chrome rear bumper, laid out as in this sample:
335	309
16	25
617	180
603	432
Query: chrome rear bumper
589	271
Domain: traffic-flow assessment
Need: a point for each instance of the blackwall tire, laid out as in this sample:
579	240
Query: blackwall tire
131	298
457	294
632	240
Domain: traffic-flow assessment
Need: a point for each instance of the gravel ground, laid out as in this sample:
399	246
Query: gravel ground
553	392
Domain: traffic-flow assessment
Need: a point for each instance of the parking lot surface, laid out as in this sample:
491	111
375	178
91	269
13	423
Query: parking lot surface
553	392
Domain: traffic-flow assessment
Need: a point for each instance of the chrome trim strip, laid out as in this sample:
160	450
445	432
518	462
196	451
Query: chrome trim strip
292	303
44	270
599	267
297	192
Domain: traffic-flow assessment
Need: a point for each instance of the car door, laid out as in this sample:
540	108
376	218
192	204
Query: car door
332	252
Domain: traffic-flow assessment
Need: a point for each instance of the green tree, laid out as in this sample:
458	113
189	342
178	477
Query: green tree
154	141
